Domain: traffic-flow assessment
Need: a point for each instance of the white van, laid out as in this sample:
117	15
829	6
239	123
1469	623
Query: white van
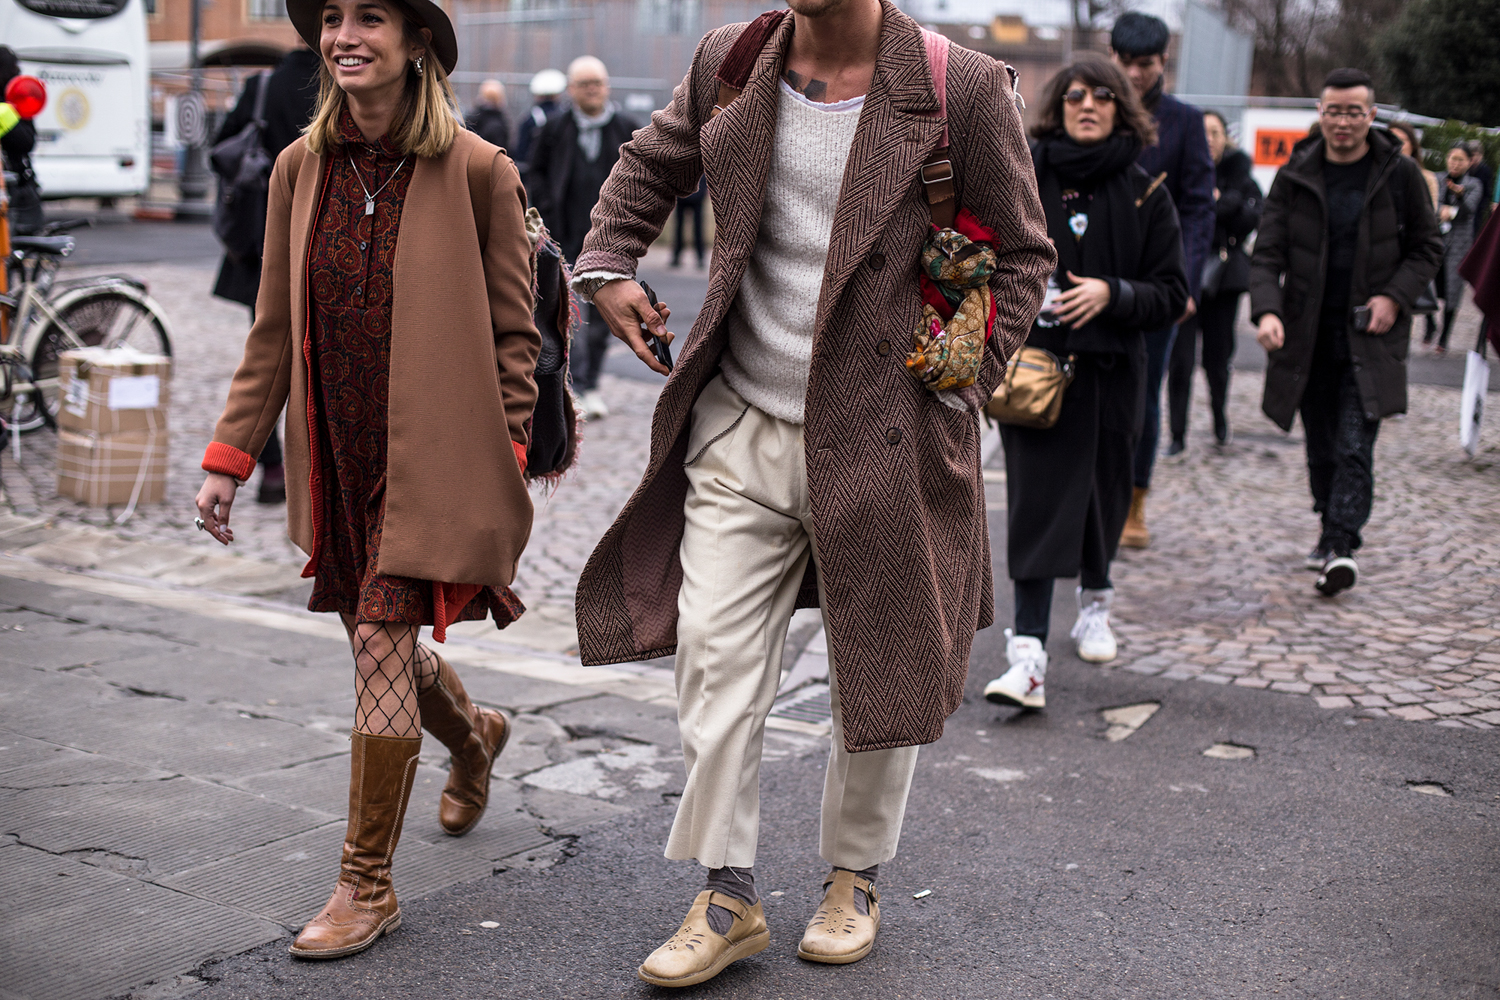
94	135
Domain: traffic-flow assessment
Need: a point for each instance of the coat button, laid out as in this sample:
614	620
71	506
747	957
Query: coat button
877	261
883	348
893	436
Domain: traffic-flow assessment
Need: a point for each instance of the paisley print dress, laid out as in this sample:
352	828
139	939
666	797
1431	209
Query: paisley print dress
350	270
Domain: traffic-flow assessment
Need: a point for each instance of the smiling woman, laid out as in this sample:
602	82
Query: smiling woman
395	320
375	63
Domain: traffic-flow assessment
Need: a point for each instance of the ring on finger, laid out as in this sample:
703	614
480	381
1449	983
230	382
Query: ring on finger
199	522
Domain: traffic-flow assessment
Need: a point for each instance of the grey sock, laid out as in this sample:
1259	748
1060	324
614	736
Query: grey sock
736	882
861	901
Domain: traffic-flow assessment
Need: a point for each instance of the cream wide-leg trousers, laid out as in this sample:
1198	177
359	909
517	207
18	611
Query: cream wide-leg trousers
746	544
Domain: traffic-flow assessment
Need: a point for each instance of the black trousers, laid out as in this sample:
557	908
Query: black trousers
1034	599
684	207
1215	320
1340	454
1068	488
587	356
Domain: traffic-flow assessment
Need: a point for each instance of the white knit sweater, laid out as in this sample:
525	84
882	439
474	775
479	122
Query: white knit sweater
771	320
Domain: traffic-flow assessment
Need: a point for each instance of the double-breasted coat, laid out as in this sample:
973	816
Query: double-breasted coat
893	474
463	350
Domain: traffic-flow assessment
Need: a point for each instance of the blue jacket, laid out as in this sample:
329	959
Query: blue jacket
1182	151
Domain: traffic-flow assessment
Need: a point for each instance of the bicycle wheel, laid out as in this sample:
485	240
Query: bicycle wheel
108	316
21	403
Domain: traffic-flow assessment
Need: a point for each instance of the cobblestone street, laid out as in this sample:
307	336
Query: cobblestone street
1220	597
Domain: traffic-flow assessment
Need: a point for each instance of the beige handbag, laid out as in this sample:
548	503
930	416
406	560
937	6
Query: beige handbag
1032	391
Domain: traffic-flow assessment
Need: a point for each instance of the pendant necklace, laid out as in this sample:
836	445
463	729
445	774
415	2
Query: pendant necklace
1078	221
370	198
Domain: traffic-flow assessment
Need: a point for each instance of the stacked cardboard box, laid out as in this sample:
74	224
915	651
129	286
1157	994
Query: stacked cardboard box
112	425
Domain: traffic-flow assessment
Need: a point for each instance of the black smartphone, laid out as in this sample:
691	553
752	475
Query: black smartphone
1362	318
659	348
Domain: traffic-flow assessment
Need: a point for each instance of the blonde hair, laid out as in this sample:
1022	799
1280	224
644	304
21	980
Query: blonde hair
426	120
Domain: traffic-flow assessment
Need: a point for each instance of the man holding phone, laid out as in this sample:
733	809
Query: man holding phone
796	461
1347	243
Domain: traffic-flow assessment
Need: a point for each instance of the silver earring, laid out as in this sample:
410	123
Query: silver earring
418	63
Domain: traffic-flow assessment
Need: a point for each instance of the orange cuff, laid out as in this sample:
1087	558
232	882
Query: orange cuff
520	454
229	461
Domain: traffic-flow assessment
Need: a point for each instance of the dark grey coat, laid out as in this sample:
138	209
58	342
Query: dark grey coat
1398	252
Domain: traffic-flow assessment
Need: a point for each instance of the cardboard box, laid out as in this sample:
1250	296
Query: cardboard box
112	391
102	469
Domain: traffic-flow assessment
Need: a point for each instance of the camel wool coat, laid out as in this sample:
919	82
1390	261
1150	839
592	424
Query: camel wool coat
893	474
463	349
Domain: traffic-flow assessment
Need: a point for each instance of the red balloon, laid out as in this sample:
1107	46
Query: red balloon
27	95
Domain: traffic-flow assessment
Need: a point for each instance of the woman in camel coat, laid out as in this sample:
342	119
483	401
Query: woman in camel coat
394	320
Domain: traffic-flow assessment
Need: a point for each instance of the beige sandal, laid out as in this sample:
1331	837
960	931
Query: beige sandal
838	933
696	954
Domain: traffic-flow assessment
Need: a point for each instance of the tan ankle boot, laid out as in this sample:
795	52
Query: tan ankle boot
474	737
363	905
1136	535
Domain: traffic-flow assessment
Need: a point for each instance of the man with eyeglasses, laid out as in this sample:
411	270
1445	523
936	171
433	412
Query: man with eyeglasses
1348	241
1138	44
571	159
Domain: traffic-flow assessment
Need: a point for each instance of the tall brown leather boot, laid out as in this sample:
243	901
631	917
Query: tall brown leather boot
1136	535
363	905
474	737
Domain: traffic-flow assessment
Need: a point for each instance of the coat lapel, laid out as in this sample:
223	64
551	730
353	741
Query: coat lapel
899	126
736	147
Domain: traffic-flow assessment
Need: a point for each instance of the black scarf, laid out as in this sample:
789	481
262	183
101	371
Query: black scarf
1085	166
1112	243
1151	98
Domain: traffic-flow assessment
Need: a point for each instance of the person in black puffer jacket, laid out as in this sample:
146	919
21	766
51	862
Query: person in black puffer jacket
1237	200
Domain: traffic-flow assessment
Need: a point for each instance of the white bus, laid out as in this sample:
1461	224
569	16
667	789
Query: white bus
94	135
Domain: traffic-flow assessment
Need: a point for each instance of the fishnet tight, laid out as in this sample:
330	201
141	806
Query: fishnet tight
391	668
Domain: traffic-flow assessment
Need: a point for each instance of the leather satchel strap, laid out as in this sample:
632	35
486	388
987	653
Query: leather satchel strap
734	71
937	170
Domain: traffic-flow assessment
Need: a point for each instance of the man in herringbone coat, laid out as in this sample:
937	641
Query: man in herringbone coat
794	458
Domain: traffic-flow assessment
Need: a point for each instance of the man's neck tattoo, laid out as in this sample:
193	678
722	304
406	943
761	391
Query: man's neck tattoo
813	90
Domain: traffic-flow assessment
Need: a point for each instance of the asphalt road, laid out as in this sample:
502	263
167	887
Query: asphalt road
117	240
1078	868
1060	864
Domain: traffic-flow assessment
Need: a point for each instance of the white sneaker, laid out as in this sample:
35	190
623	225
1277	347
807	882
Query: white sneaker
1022	684
594	407
1096	643
1339	574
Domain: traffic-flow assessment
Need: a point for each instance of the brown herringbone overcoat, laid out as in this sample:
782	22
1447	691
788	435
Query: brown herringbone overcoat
893	474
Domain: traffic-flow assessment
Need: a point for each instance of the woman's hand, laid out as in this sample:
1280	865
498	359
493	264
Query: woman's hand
214	501
1269	333
1080	304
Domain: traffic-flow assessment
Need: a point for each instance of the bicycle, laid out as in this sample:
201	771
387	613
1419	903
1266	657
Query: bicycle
47	317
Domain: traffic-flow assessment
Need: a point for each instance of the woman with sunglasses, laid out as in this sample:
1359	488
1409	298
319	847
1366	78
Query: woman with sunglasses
395	321
1120	272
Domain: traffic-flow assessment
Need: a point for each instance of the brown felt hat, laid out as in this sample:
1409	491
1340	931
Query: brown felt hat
307	18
